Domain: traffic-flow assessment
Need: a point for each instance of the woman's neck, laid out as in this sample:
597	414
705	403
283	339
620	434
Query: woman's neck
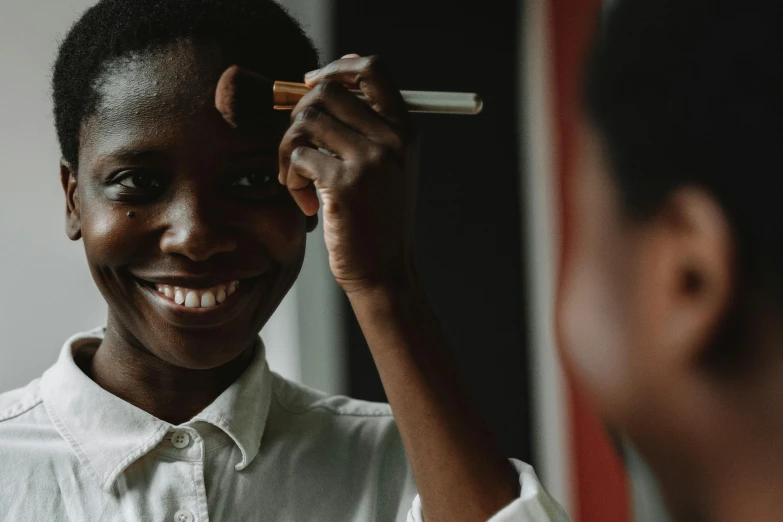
174	394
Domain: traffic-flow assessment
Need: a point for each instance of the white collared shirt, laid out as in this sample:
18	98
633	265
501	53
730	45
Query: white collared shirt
266	449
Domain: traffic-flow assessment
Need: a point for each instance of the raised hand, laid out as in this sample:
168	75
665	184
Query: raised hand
367	183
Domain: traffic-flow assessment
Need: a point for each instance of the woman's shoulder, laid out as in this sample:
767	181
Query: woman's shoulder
332	424
337	440
325	429
15	403
298	399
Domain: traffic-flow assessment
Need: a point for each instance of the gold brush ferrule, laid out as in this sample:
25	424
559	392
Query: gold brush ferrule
285	95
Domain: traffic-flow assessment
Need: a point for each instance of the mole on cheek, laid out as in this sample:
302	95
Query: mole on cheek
110	236
131	214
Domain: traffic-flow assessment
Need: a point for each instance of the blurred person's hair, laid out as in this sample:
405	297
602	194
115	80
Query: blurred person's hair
690	92
257	34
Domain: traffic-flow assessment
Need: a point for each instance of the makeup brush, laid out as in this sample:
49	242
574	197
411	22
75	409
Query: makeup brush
243	95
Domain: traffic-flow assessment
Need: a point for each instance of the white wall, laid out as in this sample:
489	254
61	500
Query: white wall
47	290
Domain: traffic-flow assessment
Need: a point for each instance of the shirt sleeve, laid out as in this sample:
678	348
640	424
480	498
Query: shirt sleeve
533	505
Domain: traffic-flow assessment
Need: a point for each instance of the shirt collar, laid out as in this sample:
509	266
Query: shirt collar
108	434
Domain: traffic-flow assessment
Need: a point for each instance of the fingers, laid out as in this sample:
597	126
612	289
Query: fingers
313	127
335	99
365	139
308	167
370	76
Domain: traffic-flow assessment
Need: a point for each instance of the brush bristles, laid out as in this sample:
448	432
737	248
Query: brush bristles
243	98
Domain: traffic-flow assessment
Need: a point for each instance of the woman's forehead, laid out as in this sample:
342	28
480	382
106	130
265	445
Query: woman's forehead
174	81
161	97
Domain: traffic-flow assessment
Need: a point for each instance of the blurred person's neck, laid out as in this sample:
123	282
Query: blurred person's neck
736	459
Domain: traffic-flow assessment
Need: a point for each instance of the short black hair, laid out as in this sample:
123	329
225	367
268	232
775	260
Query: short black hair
256	34
690	92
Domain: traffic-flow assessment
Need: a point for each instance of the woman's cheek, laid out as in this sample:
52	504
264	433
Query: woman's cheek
110	236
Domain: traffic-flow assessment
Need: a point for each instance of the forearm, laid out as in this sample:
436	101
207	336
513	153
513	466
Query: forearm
459	471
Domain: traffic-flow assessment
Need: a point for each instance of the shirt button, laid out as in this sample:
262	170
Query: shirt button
183	515
180	439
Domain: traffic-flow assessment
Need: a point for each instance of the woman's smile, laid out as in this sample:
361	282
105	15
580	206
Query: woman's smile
197	297
195	303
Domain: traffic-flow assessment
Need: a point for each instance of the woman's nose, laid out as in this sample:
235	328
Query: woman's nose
195	231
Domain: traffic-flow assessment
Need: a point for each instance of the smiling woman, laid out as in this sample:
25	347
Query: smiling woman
194	231
209	211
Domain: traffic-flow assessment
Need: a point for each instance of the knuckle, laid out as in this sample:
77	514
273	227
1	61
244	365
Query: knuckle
292	141
326	89
378	156
297	154
329	69
286	144
308	115
373	64
294	136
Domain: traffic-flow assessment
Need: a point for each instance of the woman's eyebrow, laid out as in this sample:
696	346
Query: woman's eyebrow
148	155
133	154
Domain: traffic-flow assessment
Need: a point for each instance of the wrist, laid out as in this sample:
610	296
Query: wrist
396	283
376	300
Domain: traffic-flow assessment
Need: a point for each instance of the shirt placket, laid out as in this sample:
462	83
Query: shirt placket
187	446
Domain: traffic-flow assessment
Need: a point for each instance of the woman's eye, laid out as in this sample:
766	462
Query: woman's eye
258	184
140	181
254	180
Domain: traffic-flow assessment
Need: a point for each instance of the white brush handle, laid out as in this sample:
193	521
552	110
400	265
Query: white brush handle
434	102
443	102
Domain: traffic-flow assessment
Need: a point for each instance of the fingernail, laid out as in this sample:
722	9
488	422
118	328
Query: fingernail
351	55
311	74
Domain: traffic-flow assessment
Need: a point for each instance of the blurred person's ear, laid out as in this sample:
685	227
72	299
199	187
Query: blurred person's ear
688	274
73	225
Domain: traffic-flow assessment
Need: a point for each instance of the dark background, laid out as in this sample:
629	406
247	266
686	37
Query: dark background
469	218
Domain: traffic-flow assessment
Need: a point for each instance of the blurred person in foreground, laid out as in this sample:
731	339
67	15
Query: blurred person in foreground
671	306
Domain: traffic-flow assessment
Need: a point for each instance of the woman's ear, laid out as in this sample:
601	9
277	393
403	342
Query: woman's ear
73	225
312	222
700	257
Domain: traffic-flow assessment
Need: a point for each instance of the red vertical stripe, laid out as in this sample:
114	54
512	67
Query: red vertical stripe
600	489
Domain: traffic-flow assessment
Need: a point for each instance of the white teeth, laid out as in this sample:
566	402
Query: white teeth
192	300
198	298
208	299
